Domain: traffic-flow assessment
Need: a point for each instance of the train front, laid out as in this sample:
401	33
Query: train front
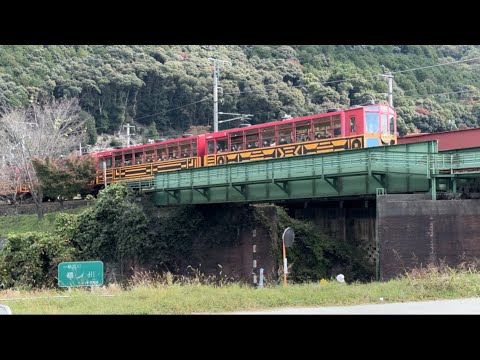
380	125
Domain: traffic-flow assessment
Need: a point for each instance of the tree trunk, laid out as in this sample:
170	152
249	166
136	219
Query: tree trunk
39	208
38	198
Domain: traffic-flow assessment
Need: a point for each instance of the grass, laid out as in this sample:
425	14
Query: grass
25	223
192	297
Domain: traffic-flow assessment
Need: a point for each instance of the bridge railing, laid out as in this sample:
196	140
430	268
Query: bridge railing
468	159
345	163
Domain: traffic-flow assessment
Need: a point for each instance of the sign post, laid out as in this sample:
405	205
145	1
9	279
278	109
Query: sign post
287	241
80	273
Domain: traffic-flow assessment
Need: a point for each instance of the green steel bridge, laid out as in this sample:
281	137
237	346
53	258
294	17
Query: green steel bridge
405	168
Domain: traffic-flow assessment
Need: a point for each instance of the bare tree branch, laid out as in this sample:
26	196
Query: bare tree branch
49	130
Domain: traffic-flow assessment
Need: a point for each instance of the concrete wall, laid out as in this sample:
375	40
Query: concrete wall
9	210
414	233
351	221
237	260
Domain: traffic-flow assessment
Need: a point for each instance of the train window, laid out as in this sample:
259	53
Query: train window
118	160
210	147
268	136
302	130
172	151
285	134
221	145
372	122
128	159
352	124
185	149
322	128
108	163
162	153
138	158
392	125
149	154
236	141
337	125
251	139
194	147
383	123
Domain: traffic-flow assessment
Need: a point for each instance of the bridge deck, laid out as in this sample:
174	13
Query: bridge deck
402	168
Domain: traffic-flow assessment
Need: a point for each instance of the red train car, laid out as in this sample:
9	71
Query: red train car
143	161
337	130
447	140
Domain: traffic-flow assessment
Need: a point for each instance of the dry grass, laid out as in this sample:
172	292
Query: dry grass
150	293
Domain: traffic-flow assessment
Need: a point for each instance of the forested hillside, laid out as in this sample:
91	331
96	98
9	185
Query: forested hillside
171	85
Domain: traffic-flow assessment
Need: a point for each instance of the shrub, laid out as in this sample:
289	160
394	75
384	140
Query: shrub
31	259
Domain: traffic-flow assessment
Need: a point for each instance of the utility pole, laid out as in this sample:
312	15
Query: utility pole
215	90
104	167
128	126
389	77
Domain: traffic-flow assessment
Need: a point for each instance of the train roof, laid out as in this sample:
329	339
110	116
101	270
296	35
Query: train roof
225	132
165	142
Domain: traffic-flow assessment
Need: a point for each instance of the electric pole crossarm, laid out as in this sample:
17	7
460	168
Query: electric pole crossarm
240	116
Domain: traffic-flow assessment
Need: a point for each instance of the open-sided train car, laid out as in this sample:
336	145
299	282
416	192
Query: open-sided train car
336	130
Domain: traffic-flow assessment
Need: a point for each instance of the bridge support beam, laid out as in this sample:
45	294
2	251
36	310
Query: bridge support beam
333	182
380	178
205	192
242	190
283	186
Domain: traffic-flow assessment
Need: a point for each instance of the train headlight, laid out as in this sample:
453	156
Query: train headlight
386	138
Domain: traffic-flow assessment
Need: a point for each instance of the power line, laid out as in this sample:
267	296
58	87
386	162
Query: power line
175	108
365	77
431	66
303	85
444	93
320	83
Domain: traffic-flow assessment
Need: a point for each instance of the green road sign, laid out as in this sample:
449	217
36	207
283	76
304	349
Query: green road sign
80	273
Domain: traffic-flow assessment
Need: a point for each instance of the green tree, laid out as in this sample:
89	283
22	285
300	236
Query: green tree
65	178
90	127
114	229
152	131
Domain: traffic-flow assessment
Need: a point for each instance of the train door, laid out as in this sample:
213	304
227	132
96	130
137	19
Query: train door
201	150
352	125
354	122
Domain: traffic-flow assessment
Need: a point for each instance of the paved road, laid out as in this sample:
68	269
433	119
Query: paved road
461	306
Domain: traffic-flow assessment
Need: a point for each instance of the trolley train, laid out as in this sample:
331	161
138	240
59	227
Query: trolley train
335	130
